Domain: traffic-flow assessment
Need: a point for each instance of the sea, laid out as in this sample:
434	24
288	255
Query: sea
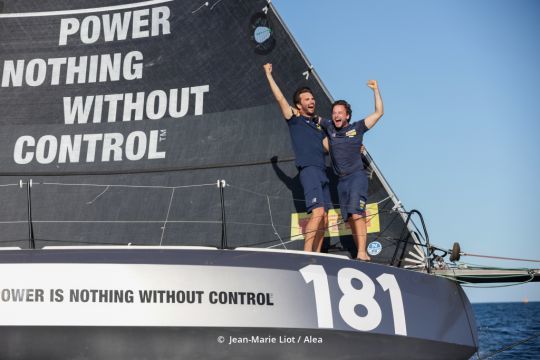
501	325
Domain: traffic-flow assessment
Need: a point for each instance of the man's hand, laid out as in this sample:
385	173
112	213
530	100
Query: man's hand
267	68
379	108
372	84
284	106
326	144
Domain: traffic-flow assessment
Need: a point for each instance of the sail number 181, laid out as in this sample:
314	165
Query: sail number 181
352	297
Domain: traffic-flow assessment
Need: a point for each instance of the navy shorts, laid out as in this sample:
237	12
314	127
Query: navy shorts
352	191
316	190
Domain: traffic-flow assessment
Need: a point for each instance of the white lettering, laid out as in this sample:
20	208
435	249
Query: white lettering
112	144
130	106
74	69
135	145
71	149
90	29
140	22
39	66
78	109
109	67
20	156
117	28
199	93
68	27
15	74
157	112
46	149
152	146
56	64
134	106
92	140
99	147
113	100
111	27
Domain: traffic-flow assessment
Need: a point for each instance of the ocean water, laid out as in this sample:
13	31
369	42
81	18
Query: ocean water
503	324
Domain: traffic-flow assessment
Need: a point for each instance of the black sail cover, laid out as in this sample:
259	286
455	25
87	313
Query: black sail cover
124	115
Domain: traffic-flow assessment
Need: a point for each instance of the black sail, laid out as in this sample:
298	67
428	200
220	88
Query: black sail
125	117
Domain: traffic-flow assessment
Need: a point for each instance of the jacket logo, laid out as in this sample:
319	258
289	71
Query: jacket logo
351	133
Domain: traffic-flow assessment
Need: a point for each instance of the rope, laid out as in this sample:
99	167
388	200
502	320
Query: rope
499	257
296	199
128	186
511	346
6	185
272	221
166	218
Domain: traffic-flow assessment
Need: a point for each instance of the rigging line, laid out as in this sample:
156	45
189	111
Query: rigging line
501	276
143	222
317	230
461	265
265	195
511	346
6	185
212	7
200	7
128	186
383	200
166	218
103	192
272	222
499	257
286	242
294	199
482	267
115	221
386	229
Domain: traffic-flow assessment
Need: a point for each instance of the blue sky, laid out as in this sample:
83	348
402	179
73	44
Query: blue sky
460	82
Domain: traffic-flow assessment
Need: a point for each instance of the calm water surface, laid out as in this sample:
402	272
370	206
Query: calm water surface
502	324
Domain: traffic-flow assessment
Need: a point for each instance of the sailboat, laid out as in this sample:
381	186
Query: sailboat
151	205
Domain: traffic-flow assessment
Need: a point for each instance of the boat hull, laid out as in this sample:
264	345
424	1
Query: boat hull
58	342
170	303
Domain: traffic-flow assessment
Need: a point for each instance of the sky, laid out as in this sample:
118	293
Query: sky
460	81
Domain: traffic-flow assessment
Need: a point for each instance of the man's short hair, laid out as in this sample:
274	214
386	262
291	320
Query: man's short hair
298	92
347	107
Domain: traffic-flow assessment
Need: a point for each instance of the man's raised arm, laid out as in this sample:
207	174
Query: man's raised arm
286	109
372	119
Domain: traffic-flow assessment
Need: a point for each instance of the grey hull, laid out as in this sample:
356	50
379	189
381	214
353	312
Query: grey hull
262	299
120	343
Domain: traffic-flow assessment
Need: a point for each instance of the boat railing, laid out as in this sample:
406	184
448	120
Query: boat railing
215	214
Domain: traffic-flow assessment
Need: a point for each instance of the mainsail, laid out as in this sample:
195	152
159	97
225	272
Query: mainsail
151	123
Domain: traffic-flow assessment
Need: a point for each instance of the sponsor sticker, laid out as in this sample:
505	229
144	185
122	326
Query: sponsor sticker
374	248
